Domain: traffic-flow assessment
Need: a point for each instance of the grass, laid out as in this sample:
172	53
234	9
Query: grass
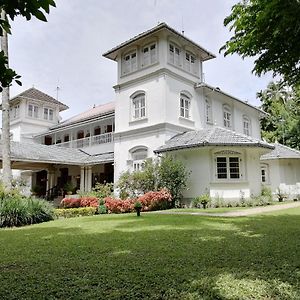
153	257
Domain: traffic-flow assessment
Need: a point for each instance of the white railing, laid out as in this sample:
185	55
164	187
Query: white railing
104	138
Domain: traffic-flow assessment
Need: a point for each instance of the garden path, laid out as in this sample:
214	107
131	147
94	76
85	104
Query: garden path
237	213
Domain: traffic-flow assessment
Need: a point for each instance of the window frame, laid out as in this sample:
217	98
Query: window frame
208	111
132	65
152	59
175	58
46	116
138	106
229	160
227	117
265	168
34	111
185	106
247	130
190	66
138	156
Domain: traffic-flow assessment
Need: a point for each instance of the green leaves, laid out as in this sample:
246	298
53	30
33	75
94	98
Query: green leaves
270	31
7	75
282	123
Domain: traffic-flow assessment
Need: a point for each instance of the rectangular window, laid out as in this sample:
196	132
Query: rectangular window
174	55
227	119
48	114
185	104
228	167
129	63
33	111
263	175
190	63
246	126
149	55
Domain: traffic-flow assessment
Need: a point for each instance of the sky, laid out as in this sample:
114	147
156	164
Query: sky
66	52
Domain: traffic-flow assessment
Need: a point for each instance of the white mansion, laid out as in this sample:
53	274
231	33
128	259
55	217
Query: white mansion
162	106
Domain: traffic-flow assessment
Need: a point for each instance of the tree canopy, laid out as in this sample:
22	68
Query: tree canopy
268	30
282	122
14	8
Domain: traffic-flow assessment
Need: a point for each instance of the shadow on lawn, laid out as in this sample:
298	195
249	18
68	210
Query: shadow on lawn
153	257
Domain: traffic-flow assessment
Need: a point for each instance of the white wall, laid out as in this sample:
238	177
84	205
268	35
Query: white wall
202	180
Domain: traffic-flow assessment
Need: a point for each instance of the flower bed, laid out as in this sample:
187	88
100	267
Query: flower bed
150	201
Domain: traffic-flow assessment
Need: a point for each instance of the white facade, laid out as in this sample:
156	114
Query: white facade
159	93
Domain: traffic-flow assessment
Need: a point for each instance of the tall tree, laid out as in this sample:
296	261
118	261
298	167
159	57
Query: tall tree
268	30
11	9
282	122
5	138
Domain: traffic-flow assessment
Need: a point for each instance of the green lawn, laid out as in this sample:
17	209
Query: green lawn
153	257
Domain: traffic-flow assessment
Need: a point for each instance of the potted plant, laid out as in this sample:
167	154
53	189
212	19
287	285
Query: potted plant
138	208
280	195
202	200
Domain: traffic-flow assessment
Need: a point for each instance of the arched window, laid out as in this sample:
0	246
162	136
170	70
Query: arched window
227	116
97	130
208	110
138	106
138	156
80	134
246	125
185	106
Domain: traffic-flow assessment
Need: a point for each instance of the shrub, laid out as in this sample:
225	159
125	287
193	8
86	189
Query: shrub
102	209
203	200
265	191
70	202
167	173
156	200
89	202
75	212
102	191
150	201
80	202
119	206
20	211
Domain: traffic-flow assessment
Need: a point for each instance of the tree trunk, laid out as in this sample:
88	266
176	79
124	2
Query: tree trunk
5	138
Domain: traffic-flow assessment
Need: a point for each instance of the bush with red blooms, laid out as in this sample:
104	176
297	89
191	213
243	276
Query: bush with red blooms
150	201
80	202
117	206
156	200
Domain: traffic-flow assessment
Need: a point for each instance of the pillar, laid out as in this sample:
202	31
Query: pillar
82	179
89	178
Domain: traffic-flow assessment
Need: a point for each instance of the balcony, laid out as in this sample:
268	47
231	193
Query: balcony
106	140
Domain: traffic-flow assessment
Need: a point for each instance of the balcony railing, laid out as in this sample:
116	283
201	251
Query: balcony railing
89	141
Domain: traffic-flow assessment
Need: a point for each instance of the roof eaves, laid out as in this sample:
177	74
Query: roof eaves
152	30
218	90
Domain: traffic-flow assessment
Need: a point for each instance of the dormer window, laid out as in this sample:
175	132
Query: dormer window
48	114
129	62
149	55
174	55
227	116
33	111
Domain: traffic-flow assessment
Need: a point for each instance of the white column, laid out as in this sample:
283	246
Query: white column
89	179
82	179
